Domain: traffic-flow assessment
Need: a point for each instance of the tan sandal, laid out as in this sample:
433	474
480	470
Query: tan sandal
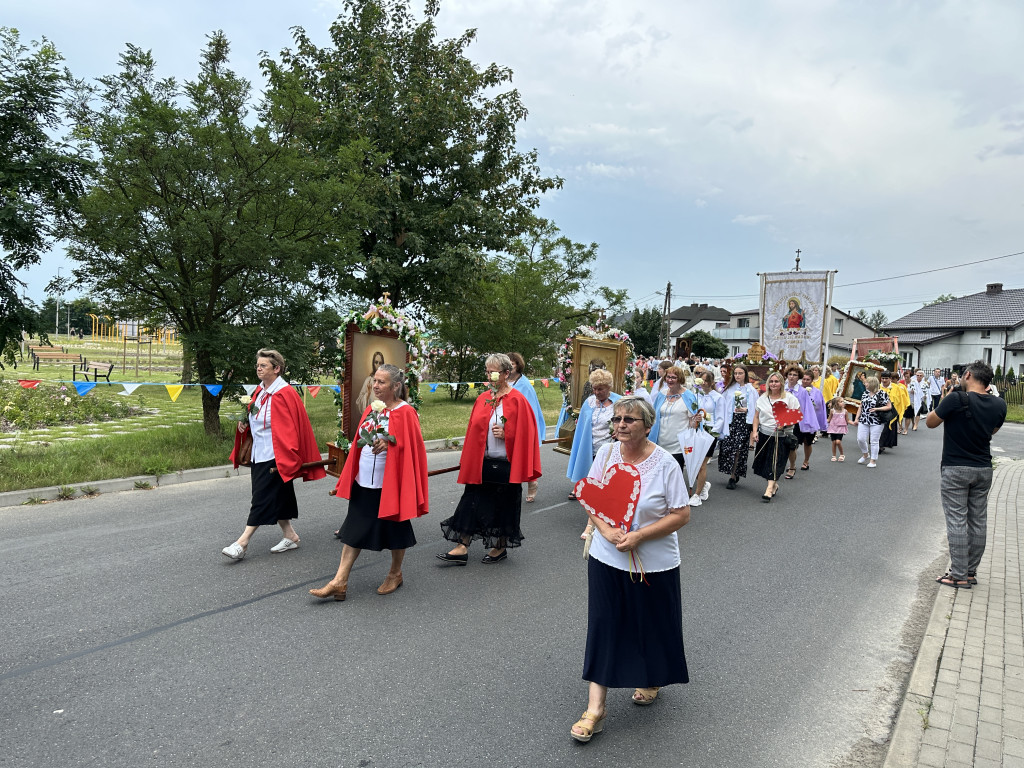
531	490
645	696
590	724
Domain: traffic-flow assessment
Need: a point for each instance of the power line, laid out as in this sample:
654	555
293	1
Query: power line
928	271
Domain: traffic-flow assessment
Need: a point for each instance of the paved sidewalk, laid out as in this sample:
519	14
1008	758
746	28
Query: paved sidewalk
964	705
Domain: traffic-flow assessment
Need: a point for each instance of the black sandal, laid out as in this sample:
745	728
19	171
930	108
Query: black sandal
790	473
947	580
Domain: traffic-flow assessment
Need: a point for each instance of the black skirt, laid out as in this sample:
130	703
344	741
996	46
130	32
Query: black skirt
732	457
889	434
770	456
272	499
634	630
363	529
490	512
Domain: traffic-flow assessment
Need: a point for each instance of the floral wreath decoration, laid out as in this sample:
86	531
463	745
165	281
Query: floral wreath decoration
383	316
563	371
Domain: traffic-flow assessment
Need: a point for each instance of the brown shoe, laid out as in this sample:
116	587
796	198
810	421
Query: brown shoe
391	583
331	589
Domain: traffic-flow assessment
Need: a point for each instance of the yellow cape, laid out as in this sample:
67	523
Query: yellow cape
830	388
900	399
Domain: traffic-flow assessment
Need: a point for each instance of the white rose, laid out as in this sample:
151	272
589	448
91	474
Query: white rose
494	375
377	406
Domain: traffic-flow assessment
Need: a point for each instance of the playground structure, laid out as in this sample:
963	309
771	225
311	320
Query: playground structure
105	328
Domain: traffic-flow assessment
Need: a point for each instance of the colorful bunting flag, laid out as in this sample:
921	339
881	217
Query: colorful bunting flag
214	389
29	383
174	390
433	387
314	390
545	382
129	388
336	388
84	386
472	385
249	388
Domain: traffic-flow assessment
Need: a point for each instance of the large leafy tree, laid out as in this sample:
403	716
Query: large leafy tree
41	176
703	344
454	184
644	328
211	216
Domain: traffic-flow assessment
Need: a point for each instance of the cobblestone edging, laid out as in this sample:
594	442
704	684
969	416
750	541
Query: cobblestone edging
964	705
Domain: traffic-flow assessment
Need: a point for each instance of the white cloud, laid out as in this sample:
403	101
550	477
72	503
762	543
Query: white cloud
752	221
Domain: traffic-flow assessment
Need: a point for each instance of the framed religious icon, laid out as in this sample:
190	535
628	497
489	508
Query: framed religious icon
854	381
365	352
589	354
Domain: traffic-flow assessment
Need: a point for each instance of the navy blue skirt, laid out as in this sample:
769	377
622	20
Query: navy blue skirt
634	630
272	499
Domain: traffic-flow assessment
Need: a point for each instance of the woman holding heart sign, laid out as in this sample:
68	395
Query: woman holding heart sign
775	415
637	500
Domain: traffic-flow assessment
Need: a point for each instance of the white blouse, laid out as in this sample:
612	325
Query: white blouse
675	417
260	421
495	446
371	466
765	414
661	489
600	421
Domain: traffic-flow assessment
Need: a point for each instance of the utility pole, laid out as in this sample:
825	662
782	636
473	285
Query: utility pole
663	334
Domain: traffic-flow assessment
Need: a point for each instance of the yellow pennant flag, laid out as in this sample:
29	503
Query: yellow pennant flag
472	385
174	390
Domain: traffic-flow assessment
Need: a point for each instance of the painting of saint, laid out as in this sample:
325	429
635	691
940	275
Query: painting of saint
795	317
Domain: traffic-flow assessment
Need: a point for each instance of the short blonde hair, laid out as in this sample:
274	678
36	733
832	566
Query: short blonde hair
871	382
600	376
632	404
276	358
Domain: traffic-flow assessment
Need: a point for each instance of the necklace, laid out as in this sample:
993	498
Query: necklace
640	457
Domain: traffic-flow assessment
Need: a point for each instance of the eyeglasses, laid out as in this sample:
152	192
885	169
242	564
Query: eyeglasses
627	419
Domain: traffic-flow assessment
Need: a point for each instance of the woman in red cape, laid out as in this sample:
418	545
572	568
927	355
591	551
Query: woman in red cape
501	452
385	483
282	441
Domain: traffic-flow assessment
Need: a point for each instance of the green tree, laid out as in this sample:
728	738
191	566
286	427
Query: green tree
862	316
453	186
877	320
940	299
644	328
210	218
703	344
41	176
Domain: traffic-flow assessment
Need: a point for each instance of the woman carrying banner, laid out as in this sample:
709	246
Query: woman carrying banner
522	385
738	402
634	624
385	483
501	453
769	438
282	441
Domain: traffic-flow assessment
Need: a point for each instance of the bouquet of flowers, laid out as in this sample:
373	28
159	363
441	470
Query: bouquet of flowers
739	399
246	402
373	429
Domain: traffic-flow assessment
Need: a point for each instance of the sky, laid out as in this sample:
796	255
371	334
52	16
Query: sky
704	142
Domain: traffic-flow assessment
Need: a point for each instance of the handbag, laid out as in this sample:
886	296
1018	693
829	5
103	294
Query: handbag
244	454
496	471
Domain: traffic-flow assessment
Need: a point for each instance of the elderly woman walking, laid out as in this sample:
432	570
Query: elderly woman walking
739	399
522	384
593	427
500	453
276	440
875	408
634	622
772	440
673	408
385	483
920	399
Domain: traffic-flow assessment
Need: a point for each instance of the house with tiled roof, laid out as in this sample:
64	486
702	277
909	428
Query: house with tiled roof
985	326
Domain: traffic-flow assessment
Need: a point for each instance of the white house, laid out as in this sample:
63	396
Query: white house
985	326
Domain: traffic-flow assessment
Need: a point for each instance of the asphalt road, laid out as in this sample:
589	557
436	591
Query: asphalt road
128	639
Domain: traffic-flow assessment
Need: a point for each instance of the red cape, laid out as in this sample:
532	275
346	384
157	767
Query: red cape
520	439
404	493
292	434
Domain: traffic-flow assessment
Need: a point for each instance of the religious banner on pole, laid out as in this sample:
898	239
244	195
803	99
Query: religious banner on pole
794	308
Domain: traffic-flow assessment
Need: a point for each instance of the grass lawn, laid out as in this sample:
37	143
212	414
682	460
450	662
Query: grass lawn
169	436
1015	413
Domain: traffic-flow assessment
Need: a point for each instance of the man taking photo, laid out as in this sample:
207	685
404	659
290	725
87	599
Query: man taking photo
971	417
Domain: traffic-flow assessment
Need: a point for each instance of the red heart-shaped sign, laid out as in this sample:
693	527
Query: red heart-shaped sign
613	499
784	415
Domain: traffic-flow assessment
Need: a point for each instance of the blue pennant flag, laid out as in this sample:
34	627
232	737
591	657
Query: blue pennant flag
336	388
433	387
82	387
214	389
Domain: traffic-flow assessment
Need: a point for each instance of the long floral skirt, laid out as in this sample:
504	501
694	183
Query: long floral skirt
732	456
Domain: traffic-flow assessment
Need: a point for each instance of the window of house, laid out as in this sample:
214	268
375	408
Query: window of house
987	333
986	355
743	322
837	326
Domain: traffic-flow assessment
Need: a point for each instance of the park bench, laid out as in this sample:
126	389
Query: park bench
54	357
97	372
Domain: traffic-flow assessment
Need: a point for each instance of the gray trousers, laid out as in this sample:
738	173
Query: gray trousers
965	502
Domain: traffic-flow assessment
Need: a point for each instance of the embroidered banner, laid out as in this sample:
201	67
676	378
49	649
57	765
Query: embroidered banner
793	312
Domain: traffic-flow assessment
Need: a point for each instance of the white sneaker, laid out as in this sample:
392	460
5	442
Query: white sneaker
705	491
695	500
861	460
871	464
284	545
235	551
